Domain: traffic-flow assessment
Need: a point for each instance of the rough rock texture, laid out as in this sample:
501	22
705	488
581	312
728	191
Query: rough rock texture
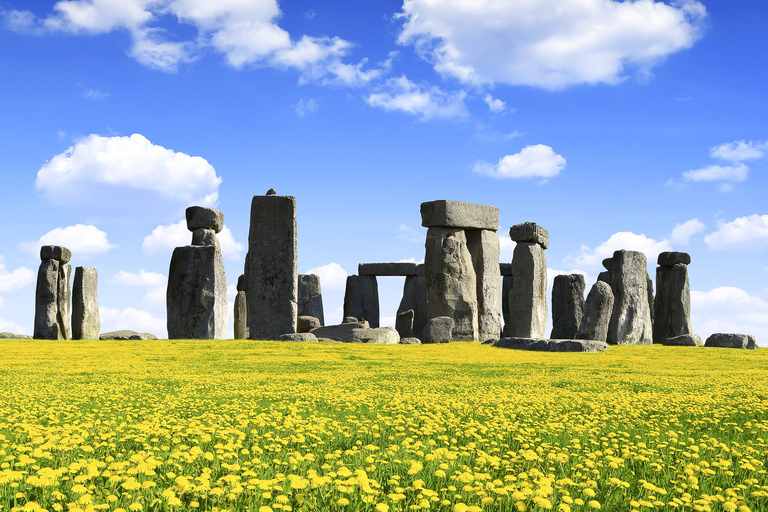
387	269
306	323
672	258
199	217
204	237
528	300
484	249
672	304
55	252
12	336
605	277
241	283
410	341
458	214
349	320
438	330
631	319
684	340
530	232
361	299
47	301
310	301
272	275
64	298
86	322
598	309
298	336
506	287
608	264
724	340
375	336
505	269
196	298
404	324
567	305
651	300
451	281
543	345
415	298
125	335
340	332
241	316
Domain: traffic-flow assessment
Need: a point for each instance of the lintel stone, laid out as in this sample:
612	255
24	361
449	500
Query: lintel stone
672	258
458	214
530	232
55	252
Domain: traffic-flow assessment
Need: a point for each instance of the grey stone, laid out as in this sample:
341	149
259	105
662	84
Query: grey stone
598	309
458	214
505	269
199	217
543	345
649	290
12	336
527	300
241	316
484	249
439	330
328	340
631	318
530	232
420	269
125	335
608	264
272	274
684	340
451	281
410	341
387	269
605	277
415	299
536	344
724	340
203	236
64	297
271	192
361	299
307	323
672	258
196	298
241	282
375	336
404	324
567	305
55	252
47	301
672	304
86	322
341	332
349	320
506	288
310	297
298	336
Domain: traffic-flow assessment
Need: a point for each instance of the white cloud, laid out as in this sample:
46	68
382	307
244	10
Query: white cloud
737	172
741	234
81	239
303	108
154	299
494	104
9	326
739	151
506	247
332	276
114	319
167	237
140	278
537	161
230	248
731	310
428	102
734	152
682	233
550	44
592	259
19	278
95	95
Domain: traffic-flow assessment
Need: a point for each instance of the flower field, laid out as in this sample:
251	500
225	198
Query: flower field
267	426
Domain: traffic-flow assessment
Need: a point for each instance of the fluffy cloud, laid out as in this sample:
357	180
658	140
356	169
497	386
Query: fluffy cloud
506	247
729	309
737	172
428	102
166	238
303	108
113	319
537	161
9	326
741	234
494	104
332	276
81	239
550	44
734	152
19	278
140	278
682	233
592	258
738	151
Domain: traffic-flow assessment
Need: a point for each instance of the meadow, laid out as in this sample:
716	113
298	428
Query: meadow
267	426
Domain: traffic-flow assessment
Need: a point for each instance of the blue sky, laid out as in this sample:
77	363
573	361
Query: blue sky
638	125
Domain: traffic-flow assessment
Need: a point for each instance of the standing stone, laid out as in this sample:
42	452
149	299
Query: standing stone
415	299
605	277
597	313
310	297
649	288
271	267
506	287
404	324
451	280
241	316
46	301
673	300
631	319
567	305
63	317
484	249
528	300
439	330
86	322
361	299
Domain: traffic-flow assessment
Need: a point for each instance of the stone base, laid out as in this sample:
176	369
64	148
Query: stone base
544	345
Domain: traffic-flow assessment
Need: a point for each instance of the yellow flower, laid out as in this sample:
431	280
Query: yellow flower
594	504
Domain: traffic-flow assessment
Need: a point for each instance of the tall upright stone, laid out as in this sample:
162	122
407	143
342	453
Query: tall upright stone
196	297
567	305
631	318
271	267
598	309
361	299
310	297
506	287
52	295
415	299
484	249
86	322
241	316
527	300
64	298
673	297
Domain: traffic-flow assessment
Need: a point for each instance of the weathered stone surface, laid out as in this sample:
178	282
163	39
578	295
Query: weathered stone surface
12	336
361	299
64	298
199	217
726	340
306	323
341	332
410	341
387	269
567	305
375	336
672	304
349	320
458	214
608	264
527	300
439	330
598	309
125	335
310	297
451	281
505	269
415	298
631	319
196	298
544	345
55	252
241	283
47	301
404	324
484	249
241	316
506	288
530	232
605	277
420	269
272	275
684	340
651	300
298	336
86	322
672	258
204	237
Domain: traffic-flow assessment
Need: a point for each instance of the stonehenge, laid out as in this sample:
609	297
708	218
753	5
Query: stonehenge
673	297
310	297
631	319
361	299
598	309
567	305
86	322
527	298
52	295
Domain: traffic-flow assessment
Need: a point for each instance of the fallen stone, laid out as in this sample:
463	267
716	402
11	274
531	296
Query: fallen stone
528	300
484	249
544	345
672	304
298	336
415	298
684	340
672	258
241	316
328	340
631	319
375	336
458	214
530	232
404	324
55	252
439	330
598	309
725	340
567	305
361	299
199	217
410	341
341	332
12	336
505	269
46	301
306	323
125	335
506	287
387	269
86	322
310	302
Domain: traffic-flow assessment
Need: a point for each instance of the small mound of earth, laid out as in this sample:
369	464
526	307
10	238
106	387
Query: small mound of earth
125	335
